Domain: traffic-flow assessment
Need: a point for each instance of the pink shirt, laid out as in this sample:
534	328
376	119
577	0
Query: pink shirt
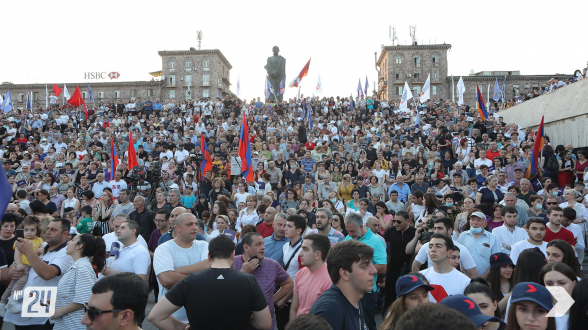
309	285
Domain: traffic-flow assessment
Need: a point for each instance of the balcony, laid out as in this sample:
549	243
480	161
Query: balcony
205	84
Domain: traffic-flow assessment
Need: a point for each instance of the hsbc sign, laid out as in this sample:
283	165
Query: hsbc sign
101	75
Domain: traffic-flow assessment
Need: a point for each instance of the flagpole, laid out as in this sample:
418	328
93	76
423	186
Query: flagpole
453	88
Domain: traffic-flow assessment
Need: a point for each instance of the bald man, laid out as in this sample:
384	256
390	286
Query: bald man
177	258
12	208
266	228
172	234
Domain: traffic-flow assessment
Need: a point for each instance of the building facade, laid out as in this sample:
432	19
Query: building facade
185	74
413	64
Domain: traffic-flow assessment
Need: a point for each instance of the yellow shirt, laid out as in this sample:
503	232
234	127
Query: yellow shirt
37	243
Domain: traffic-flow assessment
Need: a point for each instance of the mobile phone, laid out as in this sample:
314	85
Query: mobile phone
254	257
19	233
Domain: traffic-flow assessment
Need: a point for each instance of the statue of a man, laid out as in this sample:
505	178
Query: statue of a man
276	71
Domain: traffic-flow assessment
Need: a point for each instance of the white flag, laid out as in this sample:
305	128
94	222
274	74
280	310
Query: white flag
460	90
238	86
426	93
406	95
66	93
46	97
319	85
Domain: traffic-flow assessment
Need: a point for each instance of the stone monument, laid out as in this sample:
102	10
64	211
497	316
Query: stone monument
276	73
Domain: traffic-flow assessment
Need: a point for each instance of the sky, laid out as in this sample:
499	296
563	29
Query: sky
57	42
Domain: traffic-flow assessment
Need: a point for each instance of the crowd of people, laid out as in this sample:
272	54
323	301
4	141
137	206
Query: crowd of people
550	86
355	208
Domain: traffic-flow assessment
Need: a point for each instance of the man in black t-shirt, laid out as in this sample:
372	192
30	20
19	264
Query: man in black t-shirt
204	295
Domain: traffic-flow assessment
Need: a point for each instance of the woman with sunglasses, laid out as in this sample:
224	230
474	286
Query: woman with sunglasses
75	286
337	223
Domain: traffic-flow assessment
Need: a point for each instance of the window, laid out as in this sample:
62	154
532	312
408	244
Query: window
133	93
188	65
36	96
398	59
435	90
116	95
205	93
206	79
100	95
416	91
435	76
436	60
417	61
417	76
188	80
205	65
149	92
398	75
399	90
515	89
172	65
20	97
172	93
84	95
172	80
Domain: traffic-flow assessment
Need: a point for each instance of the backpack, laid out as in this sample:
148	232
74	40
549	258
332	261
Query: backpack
552	163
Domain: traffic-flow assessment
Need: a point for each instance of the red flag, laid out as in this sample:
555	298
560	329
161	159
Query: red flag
207	162
85	111
57	90
132	154
78	100
302	74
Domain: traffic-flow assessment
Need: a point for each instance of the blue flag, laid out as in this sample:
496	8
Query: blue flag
5	190
282	86
218	93
90	93
268	88
29	100
366	86
351	103
503	96
7	104
309	117
496	93
359	89
417	122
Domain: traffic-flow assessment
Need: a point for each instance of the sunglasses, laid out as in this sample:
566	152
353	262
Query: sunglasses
397	221
553	203
92	313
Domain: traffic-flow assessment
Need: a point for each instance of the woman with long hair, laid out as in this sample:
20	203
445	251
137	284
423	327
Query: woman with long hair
500	276
384	217
561	251
345	188
376	188
337	223
249	215
479	291
561	275
528	309
75	286
218	208
102	214
353	204
411	291
431	207
566	168
496	217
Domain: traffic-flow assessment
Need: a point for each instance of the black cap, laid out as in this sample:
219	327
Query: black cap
500	259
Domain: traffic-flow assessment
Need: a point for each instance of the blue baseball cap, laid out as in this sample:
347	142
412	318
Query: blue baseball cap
469	308
409	283
500	259
531	291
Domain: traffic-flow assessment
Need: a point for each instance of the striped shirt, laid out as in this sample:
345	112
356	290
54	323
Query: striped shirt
75	286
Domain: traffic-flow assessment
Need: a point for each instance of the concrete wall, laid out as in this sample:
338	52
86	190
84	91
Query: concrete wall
565	111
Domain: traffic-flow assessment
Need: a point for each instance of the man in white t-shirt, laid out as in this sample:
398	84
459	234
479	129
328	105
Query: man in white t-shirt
117	184
443	276
177	258
113	245
445	226
181	154
132	257
536	228
482	161
509	234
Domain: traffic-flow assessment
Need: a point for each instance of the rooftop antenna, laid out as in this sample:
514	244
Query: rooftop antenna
392	34
199	33
413	34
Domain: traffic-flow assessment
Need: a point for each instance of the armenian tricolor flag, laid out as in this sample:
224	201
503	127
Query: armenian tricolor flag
245	152
481	105
207	162
537	147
